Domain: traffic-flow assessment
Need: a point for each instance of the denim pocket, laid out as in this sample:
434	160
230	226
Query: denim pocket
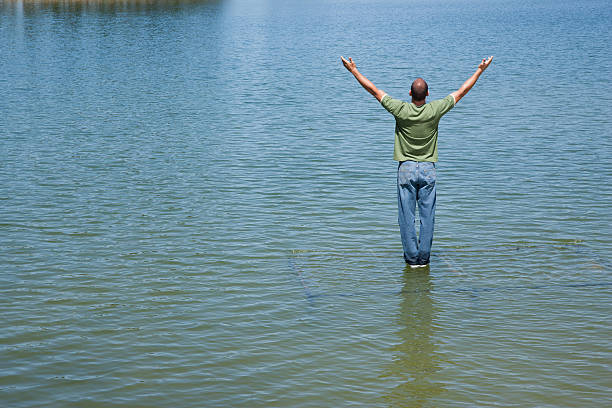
406	172
429	174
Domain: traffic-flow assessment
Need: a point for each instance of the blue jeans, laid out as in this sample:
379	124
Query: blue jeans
416	183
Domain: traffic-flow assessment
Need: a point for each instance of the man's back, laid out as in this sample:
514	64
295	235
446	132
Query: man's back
416	127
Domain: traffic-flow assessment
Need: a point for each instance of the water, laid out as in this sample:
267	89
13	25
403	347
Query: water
198	206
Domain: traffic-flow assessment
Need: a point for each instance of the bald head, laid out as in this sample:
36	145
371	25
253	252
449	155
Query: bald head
419	90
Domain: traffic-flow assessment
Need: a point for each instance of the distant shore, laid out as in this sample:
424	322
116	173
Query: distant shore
102	5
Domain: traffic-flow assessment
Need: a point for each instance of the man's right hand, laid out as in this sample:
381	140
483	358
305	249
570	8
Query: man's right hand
485	63
365	82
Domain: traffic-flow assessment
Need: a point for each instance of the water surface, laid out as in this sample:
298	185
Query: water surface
198	206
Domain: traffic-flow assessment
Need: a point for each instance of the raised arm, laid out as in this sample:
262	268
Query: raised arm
467	85
365	82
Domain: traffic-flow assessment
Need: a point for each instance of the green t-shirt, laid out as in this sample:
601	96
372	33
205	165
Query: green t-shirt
416	127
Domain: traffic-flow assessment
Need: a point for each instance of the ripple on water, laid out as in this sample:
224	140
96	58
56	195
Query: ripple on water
198	207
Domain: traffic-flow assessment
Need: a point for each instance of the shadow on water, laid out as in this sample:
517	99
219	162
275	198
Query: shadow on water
100	6
415	358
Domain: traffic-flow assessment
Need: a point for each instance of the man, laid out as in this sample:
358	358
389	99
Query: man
416	150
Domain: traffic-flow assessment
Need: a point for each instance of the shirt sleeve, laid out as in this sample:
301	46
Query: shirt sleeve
444	105
393	106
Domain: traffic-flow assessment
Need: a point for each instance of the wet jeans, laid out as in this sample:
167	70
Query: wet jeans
416	183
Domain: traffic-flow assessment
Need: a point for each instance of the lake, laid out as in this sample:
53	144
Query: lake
198	205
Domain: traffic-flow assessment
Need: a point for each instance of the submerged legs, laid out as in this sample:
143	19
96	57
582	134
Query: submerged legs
416	183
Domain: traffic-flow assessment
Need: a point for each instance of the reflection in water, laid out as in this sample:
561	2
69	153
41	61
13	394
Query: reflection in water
104	6
415	358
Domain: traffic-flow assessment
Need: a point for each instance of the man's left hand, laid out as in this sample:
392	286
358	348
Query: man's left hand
350	65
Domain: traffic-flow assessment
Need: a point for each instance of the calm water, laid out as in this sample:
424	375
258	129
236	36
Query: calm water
197	206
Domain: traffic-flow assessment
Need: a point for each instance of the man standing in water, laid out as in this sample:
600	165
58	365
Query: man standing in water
416	150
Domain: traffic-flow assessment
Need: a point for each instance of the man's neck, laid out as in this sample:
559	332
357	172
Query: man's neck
418	103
